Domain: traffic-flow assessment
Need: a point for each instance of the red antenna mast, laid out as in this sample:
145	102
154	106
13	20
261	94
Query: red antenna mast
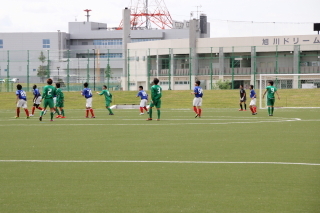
149	14
87	10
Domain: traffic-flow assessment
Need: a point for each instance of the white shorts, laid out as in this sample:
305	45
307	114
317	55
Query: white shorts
253	102
38	100
54	101
197	101
22	103
89	102
143	102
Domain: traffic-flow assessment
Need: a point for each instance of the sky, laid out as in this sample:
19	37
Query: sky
228	18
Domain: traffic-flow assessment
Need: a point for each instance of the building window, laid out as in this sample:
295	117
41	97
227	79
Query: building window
132	84
34	70
134	40
110	55
164	83
181	82
108	42
45	43
1	43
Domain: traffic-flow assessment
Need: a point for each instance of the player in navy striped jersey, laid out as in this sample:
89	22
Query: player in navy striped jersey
21	101
36	99
144	98
197	101
87	93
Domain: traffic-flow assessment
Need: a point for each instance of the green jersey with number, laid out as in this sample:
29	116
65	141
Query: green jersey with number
107	95
60	95
270	91
49	91
156	92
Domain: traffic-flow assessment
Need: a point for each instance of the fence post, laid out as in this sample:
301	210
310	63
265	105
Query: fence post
128	69
190	68
88	68
48	68
170	50
28	76
8	71
211	69
232	64
68	72
148	69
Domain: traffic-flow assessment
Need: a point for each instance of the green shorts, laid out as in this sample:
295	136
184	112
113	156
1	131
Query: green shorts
60	104
48	102
270	101
108	103
156	104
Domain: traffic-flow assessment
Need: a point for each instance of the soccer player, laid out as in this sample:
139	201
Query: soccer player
49	92
270	89
156	94
60	101
87	93
242	99
21	101
253	101
144	98
197	101
108	97
36	99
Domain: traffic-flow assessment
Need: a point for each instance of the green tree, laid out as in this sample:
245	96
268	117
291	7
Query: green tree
108	74
42	70
221	84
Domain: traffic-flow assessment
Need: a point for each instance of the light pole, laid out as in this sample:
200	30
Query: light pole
94	69
58	74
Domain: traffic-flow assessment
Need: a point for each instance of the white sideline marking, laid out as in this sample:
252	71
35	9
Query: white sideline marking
181	162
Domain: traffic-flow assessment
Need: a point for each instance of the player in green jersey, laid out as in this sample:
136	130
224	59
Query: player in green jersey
60	102
108	97
270	89
156	94
49	92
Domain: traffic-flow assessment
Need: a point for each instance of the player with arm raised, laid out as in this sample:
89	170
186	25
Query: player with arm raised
156	94
48	93
36	99
21	101
60	102
144	98
253	101
108	98
270	89
197	101
243	98
87	93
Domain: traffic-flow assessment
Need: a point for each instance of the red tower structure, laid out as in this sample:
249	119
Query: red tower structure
149	14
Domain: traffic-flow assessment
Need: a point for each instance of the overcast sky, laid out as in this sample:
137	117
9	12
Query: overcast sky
228	18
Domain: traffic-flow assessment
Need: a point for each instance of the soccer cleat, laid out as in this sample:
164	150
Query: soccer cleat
196	116
158	119
44	112
245	110
141	113
31	115
51	120
149	119
111	114
16	117
240	109
87	117
58	116
270	115
40	118
62	117
93	117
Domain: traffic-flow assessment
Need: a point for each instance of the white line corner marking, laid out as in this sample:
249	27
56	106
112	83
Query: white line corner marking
178	162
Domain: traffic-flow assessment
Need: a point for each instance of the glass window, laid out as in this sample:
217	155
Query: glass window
1	43
45	43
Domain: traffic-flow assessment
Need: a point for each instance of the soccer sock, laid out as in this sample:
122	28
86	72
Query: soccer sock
199	112
41	113
91	110
145	109
141	109
27	112
39	108
195	110
87	112
18	112
33	108
245	106
158	111
57	111
51	115
252	109
269	110
272	108
241	106
255	109
150	113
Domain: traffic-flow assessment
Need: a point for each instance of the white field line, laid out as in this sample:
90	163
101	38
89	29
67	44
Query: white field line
172	162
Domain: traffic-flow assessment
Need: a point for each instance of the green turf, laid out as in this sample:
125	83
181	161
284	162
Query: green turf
221	135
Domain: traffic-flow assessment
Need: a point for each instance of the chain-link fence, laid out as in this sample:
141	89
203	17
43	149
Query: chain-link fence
215	67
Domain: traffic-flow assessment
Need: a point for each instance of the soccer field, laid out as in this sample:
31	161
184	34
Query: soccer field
226	161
